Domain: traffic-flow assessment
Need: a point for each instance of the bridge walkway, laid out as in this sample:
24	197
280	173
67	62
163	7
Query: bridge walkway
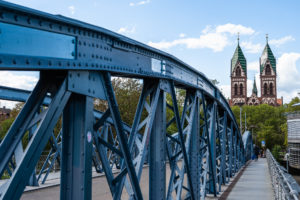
254	183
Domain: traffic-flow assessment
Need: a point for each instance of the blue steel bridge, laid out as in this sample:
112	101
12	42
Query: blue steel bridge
76	62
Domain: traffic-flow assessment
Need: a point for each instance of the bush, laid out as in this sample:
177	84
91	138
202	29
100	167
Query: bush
276	152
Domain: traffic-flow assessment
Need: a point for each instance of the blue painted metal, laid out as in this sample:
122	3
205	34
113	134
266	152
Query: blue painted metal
157	144
18	181
248	145
77	145
23	41
207	149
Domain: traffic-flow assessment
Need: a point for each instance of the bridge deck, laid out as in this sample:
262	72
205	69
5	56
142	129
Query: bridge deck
255	183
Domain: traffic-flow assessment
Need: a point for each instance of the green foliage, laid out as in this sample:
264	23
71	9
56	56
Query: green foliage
276	151
127	92
4	126
268	123
215	82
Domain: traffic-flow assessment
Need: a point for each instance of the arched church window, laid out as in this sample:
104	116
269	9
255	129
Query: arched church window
241	89
235	89
268	70
271	88
238	71
265	89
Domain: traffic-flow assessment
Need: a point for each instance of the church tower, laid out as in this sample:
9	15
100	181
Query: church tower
268	74
238	75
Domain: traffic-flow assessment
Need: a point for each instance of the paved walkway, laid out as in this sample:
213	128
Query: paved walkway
255	183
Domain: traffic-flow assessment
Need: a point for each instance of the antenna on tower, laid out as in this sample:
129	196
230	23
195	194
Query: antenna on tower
267	37
238	37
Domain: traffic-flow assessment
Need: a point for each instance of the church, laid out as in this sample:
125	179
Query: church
268	75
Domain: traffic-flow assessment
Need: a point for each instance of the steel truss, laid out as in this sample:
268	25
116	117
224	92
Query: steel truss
76	63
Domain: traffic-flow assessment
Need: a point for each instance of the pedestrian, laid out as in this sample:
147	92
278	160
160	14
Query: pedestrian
256	152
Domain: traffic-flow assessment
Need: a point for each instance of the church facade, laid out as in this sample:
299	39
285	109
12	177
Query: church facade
268	75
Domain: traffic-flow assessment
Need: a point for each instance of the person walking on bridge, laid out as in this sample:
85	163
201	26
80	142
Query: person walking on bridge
256	152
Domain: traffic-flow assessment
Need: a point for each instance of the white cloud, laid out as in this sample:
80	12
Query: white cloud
182	35
212	38
139	3
72	9
127	30
234	29
254	66
252	48
225	89
15	80
207	29
288	76
214	41
281	41
257	84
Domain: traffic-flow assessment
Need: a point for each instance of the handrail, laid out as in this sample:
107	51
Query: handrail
281	186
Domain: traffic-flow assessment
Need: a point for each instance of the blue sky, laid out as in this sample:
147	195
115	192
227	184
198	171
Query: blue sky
201	33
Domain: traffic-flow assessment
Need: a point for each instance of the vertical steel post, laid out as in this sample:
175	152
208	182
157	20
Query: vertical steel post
223	150
157	170
194	151
212	138
241	124
245	122
77	144
230	135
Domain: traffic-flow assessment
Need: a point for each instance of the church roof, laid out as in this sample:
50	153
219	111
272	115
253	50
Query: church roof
267	55
254	90
238	56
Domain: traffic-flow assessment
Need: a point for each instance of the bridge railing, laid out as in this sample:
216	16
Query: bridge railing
281	185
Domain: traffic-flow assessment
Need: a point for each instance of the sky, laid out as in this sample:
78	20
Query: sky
200	33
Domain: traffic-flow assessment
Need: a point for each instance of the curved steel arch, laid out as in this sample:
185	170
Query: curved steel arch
76	61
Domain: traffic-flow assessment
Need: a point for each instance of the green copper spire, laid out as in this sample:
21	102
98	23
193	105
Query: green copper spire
238	56
254	90
267	55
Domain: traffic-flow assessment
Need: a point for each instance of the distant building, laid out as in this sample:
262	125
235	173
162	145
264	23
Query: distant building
4	113
268	75
293	123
